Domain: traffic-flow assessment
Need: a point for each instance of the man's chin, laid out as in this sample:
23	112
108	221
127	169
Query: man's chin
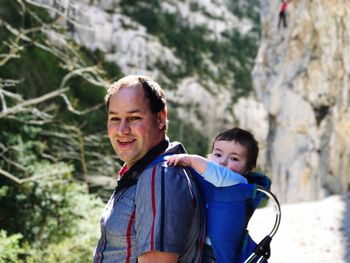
126	158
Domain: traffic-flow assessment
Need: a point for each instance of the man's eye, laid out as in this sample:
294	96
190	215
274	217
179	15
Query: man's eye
135	118
114	119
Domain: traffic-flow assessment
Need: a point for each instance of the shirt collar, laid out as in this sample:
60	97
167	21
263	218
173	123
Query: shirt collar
129	176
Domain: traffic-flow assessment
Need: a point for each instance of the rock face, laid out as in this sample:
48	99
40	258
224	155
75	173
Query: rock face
195	57
302	77
299	110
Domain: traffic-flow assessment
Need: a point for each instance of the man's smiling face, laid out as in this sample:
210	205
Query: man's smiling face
132	128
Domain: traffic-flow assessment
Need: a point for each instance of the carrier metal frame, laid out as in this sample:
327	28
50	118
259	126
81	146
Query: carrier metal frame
262	250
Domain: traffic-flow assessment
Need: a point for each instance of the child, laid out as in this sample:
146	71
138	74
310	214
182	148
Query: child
235	148
234	154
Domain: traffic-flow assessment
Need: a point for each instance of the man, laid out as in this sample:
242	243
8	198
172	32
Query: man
282	14
155	213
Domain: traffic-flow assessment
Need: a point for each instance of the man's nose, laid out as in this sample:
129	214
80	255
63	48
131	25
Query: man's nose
124	127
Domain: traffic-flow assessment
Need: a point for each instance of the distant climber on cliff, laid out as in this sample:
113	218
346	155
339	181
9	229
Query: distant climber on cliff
282	14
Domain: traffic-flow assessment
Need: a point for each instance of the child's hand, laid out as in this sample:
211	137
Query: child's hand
179	159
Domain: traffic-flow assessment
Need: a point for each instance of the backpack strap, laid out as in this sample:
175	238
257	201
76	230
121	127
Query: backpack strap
262	180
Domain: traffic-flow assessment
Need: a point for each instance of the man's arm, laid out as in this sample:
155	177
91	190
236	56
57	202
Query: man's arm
157	257
164	214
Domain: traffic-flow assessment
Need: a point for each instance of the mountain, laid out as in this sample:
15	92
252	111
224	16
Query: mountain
226	63
202	52
301	81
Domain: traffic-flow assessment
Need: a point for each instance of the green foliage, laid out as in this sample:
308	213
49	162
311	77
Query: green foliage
48	214
238	55
188	43
234	54
3	191
54	213
194	142
45	207
42	207
43	74
39	69
10	248
248	9
72	218
112	70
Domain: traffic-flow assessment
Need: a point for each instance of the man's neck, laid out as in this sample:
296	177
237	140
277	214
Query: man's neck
131	174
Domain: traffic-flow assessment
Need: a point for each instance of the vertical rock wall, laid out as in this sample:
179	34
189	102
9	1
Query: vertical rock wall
301	76
200	92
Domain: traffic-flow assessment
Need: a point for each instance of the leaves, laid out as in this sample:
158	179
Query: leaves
9	247
46	208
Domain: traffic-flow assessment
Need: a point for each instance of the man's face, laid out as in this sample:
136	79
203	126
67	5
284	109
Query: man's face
132	129
230	154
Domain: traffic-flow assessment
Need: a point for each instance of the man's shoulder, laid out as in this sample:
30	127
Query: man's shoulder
161	161
161	168
161	172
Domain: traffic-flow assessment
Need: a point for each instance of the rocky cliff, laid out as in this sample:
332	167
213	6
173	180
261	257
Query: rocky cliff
302	77
203	51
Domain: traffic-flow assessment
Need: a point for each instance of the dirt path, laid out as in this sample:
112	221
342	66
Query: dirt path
309	232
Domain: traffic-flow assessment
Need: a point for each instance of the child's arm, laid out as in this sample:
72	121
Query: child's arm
197	162
212	172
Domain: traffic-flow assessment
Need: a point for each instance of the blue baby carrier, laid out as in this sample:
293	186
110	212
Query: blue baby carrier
230	240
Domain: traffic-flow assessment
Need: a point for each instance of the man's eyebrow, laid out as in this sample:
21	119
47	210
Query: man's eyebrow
130	112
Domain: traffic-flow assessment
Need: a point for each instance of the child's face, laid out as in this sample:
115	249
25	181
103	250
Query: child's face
230	154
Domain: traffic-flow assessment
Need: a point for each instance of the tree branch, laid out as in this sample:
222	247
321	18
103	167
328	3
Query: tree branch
21	107
21	167
30	179
71	109
14	49
10	176
64	12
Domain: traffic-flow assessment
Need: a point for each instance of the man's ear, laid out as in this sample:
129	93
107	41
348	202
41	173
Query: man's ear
162	118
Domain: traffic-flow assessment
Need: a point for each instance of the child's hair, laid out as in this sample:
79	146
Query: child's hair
245	139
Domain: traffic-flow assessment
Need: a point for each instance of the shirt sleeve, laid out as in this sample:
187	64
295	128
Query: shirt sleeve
221	176
164	209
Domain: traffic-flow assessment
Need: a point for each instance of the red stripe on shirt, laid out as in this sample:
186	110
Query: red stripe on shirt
123	170
128	237
153	198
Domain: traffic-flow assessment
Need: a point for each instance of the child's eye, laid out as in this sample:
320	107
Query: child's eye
217	154
234	159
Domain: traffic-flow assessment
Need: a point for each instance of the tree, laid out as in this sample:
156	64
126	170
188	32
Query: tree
51	125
